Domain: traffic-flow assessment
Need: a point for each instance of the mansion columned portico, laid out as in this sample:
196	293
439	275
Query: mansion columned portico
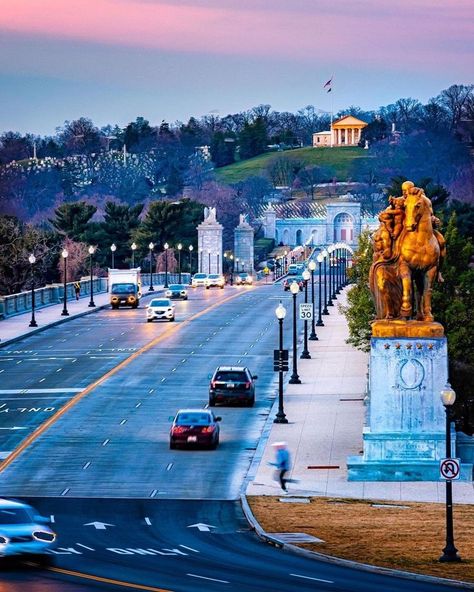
345	131
334	222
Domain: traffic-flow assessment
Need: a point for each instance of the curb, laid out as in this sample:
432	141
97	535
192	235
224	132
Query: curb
53	324
272	540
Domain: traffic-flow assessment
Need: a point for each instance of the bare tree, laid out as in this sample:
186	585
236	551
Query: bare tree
454	99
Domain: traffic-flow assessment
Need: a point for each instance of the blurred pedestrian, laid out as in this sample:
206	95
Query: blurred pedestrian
282	462
77	289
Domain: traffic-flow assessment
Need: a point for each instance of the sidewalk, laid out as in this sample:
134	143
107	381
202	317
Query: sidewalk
326	418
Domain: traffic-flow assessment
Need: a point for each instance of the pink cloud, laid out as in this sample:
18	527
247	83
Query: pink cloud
367	31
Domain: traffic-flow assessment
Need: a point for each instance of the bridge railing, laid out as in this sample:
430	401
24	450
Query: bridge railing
16	304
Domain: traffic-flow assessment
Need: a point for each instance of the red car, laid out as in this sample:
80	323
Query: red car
293	278
195	427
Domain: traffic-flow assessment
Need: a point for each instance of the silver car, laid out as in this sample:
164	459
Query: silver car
23	532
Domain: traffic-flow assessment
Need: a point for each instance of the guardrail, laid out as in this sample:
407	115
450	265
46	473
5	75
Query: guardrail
159	279
16	304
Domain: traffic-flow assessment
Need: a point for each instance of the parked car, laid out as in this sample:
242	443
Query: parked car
160	309
215	280
244	279
195	427
177	291
24	533
232	384
199	279
289	280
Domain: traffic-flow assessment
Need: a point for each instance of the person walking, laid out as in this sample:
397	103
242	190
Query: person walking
282	462
77	289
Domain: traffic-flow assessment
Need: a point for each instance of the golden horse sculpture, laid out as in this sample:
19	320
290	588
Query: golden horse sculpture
408	252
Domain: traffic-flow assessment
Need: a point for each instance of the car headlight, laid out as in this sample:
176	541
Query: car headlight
4	540
44	536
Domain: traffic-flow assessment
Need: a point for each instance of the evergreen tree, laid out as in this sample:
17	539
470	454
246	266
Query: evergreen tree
71	219
253	139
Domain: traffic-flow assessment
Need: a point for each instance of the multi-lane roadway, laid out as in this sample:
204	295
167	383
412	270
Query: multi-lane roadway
131	513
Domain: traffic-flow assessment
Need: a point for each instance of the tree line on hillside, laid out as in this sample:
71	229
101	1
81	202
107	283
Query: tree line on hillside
143	162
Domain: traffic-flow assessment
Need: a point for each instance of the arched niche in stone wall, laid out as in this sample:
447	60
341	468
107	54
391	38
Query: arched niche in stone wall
343	228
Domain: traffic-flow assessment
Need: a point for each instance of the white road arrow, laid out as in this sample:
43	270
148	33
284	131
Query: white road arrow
14	428
202	527
99	525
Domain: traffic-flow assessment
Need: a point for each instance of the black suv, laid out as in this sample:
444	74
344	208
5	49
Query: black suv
232	384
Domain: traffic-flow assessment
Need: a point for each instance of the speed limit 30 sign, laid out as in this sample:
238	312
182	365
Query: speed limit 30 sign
450	469
306	311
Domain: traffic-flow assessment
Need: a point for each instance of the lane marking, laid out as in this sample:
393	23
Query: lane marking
85	547
105	442
51	518
315	579
59	370
65	491
85	576
42	380
204	578
38	391
153	493
137	405
151	391
123	422
189	548
2	371
87	465
168	468
75	400
147	520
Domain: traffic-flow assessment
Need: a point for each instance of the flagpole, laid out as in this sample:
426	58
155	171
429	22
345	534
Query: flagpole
332	131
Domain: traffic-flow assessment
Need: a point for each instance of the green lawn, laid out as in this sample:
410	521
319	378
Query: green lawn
339	159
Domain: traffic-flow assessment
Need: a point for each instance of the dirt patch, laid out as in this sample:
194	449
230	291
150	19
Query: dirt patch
406	536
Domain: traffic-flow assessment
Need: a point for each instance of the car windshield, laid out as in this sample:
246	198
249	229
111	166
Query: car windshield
233	376
214	276
123	288
14	516
200	276
175	287
193	419
243	275
160	303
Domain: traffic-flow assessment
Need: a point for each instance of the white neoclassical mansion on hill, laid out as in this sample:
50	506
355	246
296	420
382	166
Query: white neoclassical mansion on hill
316	224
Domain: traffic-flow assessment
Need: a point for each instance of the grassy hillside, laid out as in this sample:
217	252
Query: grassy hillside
339	159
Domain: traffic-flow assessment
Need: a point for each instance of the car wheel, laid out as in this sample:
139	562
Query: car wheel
212	403
172	446
172	320
214	445
149	320
251	402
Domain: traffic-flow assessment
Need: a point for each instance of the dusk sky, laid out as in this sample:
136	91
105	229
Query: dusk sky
114	60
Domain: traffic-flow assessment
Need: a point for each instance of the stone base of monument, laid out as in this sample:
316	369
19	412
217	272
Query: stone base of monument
406	423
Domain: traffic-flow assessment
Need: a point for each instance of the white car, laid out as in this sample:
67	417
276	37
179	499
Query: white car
23	532
215	280
160	308
199	279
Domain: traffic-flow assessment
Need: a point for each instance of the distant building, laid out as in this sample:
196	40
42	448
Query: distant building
345	131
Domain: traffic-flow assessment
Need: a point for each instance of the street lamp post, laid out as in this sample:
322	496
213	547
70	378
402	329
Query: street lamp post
217	262
180	246
32	260
209	261
166	246
320	259
133	247
91	253
237	264
65	311
295	379
338	270
190	262
332	274
305	355
200	260
151	246
450	553
325	310
280	417
312	267
329	302
113	248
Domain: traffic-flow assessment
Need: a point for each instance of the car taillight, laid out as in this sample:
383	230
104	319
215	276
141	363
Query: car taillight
179	429
247	385
208	429
213	384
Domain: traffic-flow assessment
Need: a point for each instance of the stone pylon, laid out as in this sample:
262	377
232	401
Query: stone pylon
243	246
210	243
